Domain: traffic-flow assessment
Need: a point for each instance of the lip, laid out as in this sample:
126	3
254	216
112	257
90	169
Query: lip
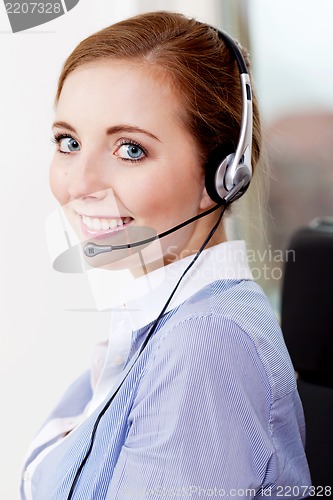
93	233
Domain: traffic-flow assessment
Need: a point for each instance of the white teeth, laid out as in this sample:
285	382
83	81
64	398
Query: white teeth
88	222
104	224
96	224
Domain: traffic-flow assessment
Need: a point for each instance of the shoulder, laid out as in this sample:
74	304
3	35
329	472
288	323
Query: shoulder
230	323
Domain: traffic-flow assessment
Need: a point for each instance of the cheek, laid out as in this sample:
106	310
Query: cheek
142	199
162	201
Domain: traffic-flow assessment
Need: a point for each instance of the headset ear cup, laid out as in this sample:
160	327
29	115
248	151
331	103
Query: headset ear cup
217	161
241	178
243	173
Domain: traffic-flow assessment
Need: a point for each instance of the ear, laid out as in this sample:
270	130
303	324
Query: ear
206	202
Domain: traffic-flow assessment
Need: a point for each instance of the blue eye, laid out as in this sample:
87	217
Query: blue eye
66	143
131	151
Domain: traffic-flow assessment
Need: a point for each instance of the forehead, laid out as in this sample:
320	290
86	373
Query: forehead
128	90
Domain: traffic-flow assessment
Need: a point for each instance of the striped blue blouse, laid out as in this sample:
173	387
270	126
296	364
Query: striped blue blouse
210	409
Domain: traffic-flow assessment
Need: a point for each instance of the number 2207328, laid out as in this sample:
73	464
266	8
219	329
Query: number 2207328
33	8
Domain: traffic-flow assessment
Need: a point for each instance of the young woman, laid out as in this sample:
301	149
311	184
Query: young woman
196	395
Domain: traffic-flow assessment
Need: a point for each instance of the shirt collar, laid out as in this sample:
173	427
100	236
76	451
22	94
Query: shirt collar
146	296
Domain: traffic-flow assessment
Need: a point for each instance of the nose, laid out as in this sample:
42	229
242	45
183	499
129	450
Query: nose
86	178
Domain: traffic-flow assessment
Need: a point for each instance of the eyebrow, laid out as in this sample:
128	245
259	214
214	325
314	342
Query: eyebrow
63	125
129	128
111	130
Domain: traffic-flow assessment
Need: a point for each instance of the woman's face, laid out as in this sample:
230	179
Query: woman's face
124	158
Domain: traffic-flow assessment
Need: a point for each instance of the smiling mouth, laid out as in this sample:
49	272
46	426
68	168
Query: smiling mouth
104	224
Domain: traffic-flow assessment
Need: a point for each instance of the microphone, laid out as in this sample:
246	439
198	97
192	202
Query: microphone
72	260
93	249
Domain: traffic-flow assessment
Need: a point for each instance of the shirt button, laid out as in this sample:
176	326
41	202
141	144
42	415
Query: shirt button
26	475
119	360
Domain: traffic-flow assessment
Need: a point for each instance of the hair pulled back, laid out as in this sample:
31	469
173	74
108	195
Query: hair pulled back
194	59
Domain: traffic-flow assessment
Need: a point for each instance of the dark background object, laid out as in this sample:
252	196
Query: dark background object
307	324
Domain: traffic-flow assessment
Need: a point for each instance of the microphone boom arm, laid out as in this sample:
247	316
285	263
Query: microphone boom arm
92	249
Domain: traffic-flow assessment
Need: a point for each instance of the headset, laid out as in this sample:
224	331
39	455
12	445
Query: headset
226	179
